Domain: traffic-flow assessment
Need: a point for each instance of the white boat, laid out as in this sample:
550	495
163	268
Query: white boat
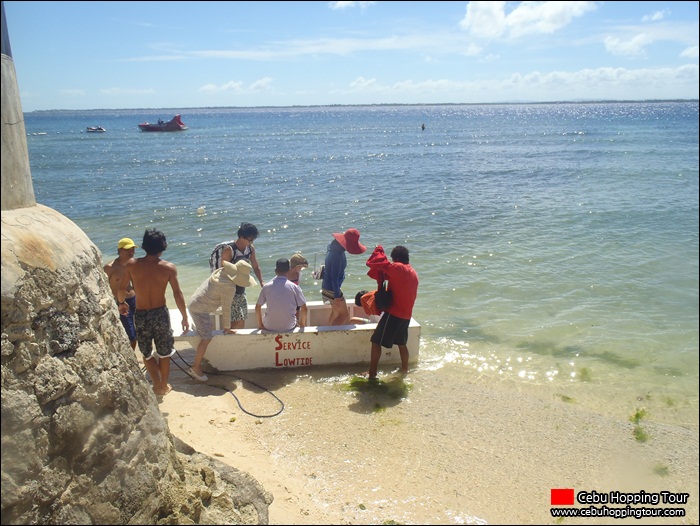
314	345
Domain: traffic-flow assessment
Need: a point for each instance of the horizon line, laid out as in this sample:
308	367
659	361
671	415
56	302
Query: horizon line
581	101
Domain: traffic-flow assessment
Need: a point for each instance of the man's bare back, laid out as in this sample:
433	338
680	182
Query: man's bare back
150	276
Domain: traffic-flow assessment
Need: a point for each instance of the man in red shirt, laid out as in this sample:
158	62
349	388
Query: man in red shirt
392	328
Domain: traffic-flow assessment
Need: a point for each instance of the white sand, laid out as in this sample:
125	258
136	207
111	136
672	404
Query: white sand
465	452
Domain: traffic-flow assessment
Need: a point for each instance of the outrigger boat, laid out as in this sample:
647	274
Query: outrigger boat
315	344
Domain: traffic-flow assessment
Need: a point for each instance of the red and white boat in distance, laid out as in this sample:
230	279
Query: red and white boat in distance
174	124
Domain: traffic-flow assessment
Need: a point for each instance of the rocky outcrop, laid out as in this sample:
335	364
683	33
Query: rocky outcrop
83	439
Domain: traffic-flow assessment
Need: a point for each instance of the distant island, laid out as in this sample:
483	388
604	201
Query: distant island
382	105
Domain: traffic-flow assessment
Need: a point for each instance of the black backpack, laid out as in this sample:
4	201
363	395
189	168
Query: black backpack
215	258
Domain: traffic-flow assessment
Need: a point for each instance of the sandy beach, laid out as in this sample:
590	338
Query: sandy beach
332	455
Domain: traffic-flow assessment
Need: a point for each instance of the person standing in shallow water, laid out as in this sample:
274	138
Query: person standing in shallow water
392	328
150	276
115	271
297	263
334	273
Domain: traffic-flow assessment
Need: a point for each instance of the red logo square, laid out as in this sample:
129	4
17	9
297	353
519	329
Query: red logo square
562	497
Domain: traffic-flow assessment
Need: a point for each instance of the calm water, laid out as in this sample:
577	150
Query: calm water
557	245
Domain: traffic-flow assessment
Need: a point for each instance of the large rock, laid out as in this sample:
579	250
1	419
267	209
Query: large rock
83	439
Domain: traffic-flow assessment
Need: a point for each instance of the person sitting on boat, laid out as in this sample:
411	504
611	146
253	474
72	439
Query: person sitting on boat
215	293
297	263
365	299
282	298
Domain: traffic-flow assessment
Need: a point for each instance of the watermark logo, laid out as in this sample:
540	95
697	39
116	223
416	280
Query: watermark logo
616	504
562	497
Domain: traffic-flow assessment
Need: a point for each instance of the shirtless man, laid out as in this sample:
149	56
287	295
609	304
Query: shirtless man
115	271
150	276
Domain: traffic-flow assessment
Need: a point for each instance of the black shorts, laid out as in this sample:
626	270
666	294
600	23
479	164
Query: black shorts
390	331
153	325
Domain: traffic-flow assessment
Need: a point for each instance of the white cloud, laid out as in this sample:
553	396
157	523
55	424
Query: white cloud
545	17
654	17
332	46
489	19
262	84
238	86
485	19
630	47
344	5
363	83
473	50
234	85
585	84
690	52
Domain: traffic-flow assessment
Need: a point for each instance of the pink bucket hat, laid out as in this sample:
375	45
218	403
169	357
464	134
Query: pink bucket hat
350	241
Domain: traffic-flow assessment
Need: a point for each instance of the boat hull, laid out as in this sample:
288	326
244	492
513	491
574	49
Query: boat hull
314	345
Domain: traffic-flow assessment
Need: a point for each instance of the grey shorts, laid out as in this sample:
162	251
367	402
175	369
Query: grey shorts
202	324
329	295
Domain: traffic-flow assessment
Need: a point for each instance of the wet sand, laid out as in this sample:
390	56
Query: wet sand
455	450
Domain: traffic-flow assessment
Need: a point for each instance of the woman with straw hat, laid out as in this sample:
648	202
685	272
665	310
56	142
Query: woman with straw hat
215	293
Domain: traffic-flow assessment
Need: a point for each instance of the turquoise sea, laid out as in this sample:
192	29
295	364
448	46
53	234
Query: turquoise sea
556	244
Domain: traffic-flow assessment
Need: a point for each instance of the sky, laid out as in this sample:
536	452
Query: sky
175	54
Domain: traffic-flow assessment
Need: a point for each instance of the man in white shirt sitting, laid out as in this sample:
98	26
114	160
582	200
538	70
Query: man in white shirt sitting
282	298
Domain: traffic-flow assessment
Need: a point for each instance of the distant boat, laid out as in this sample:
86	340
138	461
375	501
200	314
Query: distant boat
174	124
96	129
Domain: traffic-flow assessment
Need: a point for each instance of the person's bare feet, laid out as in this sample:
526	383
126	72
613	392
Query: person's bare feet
168	388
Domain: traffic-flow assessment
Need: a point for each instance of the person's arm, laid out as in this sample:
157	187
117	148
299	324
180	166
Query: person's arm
226	299
179	298
227	254
336	270
121	289
255	265
109	269
302	316
258	314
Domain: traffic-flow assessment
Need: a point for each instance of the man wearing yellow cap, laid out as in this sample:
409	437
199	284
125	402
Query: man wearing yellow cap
115	271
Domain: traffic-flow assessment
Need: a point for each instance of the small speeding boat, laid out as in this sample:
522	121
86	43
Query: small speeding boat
174	124
95	129
315	345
